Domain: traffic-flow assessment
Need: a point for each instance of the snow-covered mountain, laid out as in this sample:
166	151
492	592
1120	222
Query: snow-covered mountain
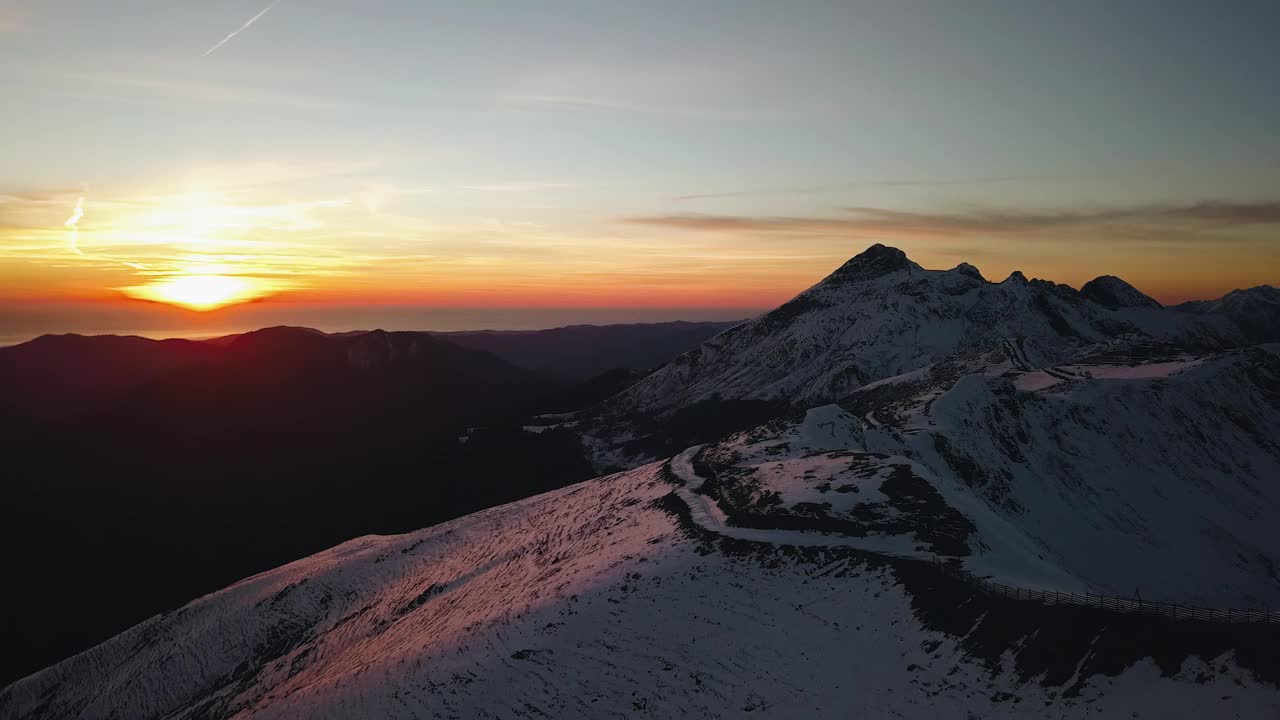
880	315
934	430
1154	477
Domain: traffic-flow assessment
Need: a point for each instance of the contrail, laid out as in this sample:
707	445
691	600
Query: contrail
75	231
243	27
75	214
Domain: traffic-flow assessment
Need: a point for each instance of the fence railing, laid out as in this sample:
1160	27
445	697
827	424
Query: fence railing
1115	603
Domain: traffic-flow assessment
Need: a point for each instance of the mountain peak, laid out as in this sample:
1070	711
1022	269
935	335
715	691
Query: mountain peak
880	250
1113	293
965	268
1016	277
873	262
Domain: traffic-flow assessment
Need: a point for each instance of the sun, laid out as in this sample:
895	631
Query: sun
201	292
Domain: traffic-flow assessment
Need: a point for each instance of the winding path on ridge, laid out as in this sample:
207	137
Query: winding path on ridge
706	513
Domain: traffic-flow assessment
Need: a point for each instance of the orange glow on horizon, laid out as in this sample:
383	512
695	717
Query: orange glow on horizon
210	247
201	292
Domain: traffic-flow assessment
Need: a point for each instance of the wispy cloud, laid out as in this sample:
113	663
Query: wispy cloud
863	222
573	102
891	183
242	28
203	92
170	235
518	187
375	196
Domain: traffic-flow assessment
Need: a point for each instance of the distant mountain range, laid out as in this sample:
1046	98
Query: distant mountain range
56	376
216	459
810	515
579	352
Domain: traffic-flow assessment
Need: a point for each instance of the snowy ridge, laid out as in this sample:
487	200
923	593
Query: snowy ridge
1151	478
596	601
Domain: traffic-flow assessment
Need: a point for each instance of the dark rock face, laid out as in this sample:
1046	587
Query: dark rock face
1113	293
969	270
873	262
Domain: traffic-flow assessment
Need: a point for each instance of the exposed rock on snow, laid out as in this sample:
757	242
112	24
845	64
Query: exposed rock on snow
1152	477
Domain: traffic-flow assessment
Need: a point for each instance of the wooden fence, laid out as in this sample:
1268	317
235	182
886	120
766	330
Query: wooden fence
1114	603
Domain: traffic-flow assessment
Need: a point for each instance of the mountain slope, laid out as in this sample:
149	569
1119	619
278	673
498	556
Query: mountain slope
1151	477
599	600
274	445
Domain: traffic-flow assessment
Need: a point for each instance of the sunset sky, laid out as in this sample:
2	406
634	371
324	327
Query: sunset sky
375	162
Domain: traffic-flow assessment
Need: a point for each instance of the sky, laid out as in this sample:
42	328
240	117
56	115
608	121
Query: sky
173	165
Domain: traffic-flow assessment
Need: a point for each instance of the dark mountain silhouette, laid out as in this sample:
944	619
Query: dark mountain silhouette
218	459
593	390
60	376
579	352
1113	293
57	376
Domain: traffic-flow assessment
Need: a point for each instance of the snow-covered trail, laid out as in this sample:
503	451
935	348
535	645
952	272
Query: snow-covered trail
706	513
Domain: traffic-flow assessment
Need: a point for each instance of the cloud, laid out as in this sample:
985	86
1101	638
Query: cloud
853	185
374	197
243	27
1264	213
203	92
863	222
518	187
167	235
